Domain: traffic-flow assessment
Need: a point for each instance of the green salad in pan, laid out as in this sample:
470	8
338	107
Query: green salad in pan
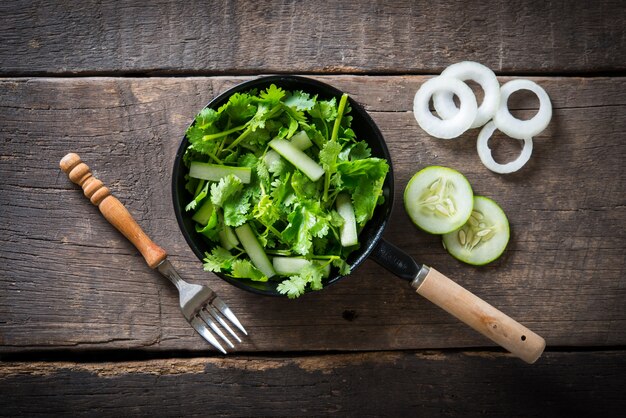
281	186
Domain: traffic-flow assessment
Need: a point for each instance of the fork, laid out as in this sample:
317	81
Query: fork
199	304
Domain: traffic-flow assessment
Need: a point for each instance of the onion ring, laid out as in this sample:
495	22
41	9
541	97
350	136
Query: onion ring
484	152
449	128
469	70
521	129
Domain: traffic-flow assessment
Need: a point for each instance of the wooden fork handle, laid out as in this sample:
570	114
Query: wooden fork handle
112	209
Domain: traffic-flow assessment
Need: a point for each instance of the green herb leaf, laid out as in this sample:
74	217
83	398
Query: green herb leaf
227	187
272	94
199	197
300	100
220	259
244	269
324	109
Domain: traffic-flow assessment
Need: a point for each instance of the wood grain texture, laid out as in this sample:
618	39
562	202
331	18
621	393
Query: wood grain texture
237	37
563	274
431	384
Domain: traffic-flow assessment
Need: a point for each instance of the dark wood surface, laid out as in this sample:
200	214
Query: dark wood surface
426	384
563	274
392	36
86	327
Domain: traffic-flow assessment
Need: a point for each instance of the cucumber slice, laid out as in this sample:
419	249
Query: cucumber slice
287	266
301	141
298	158
255	251
228	239
348	232
438	199
214	172
205	213
483	238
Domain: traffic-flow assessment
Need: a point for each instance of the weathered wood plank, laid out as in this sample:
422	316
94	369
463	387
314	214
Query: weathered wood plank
67	279
369	384
95	36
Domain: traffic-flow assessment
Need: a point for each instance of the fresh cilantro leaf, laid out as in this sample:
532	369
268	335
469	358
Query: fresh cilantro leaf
303	186
296	285
262	171
298	232
266	211
258	121
292	287
247	160
198	144
282	189
199	197
319	245
272	94
293	126
324	109
244	269
194	134
219	259
227	187
315	278
235	215
206	118
300	100
364	178
314	134
236	208
239	107
358	151
257	138
328	156
344	268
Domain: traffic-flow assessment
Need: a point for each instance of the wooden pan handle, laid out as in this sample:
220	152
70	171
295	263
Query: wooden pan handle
480	315
112	209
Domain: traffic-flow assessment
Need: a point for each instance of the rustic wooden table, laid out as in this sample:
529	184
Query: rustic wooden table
87	329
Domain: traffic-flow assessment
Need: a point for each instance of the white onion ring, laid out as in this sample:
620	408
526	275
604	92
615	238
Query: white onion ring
469	70
521	129
449	128
484	152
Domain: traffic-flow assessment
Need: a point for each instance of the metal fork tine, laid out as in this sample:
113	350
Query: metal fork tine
225	310
223	323
199	326
209	320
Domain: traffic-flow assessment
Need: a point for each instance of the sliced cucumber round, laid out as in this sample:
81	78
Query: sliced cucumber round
438	199
483	238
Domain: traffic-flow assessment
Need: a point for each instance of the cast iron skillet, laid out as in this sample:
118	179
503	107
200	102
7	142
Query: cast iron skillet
428	282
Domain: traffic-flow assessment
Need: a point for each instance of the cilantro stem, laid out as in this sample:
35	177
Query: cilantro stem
275	231
217	160
199	187
223	133
240	138
326	186
340	110
325	257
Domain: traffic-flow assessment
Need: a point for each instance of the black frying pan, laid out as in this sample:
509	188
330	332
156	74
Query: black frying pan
428	282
